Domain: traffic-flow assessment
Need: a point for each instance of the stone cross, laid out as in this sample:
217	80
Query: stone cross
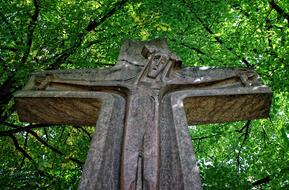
142	107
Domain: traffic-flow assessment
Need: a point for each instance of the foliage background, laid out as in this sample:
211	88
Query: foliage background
39	35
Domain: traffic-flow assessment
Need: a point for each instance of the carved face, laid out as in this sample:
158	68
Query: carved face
157	63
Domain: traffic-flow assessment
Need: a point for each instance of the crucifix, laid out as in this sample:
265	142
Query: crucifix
142	107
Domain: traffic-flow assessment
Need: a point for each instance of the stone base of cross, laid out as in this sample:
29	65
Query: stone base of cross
142	107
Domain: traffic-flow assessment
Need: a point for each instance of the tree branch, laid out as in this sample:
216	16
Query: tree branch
197	50
31	28
62	57
6	93
25	146
26	155
218	39
218	134
94	24
247	124
93	42
279	10
246	127
17	146
82	129
8	112
8	87
264	180
18	129
28	130
268	178
8	48
53	148
207	137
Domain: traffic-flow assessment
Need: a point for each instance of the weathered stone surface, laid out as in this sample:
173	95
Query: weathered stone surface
142	107
79	108
102	166
210	106
178	168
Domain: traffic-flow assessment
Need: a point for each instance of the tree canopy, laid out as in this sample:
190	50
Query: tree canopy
39	35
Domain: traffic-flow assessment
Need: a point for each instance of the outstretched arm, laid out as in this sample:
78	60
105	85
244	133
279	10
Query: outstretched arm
210	77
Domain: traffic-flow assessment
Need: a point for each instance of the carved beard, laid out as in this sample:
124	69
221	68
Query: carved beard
156	64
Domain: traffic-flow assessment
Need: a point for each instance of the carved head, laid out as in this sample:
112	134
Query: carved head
158	59
156	64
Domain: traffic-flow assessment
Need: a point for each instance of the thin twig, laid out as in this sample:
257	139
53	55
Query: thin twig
245	133
19	148
82	129
53	148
